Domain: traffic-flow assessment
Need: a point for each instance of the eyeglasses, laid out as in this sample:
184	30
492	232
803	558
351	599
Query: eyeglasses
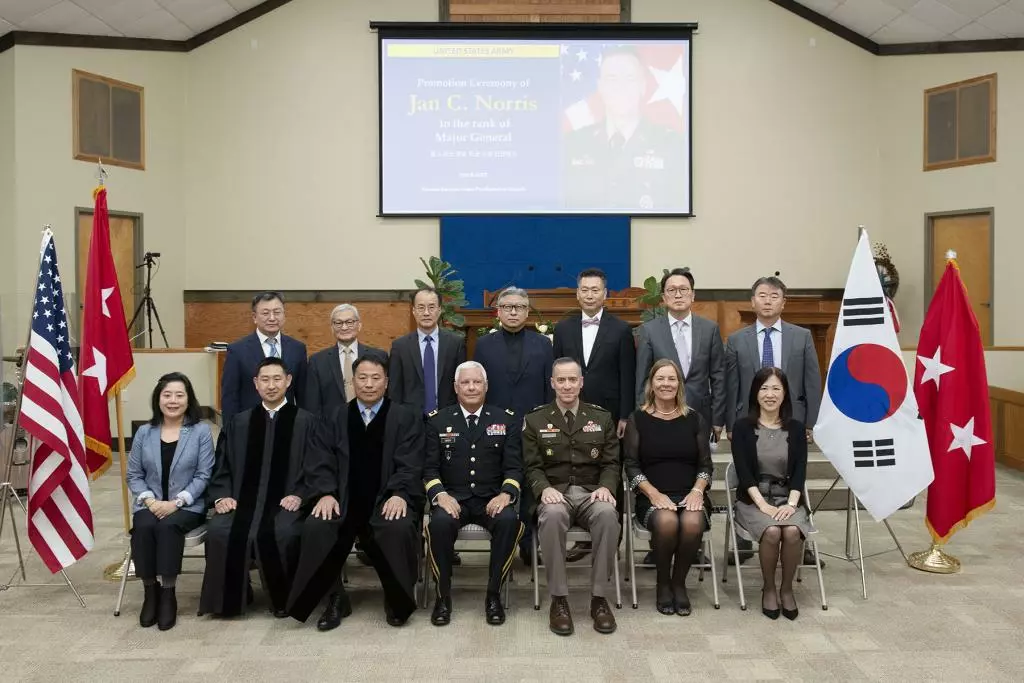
768	297
678	291
345	323
513	308
429	308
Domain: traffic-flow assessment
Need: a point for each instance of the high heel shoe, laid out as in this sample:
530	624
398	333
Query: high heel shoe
790	614
772	614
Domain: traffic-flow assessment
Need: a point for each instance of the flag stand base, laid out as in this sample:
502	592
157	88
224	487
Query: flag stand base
8	496
853	533
116	571
934	560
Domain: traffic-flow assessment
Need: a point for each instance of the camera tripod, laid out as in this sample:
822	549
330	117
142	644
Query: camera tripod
148	260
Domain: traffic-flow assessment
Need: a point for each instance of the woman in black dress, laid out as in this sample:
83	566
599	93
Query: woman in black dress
668	466
769	450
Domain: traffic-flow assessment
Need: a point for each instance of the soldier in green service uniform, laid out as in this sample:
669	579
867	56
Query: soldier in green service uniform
624	161
572	466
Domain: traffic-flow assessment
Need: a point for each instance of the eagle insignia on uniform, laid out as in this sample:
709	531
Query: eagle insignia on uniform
594	453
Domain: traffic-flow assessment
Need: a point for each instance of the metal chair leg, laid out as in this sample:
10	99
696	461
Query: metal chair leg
124	582
618	585
536	574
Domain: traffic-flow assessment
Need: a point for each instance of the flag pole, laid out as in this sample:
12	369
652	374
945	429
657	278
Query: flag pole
115	571
935	559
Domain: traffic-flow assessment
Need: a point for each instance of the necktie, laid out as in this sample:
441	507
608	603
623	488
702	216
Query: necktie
271	414
591	322
346	372
472	421
767	352
272	351
367	416
569	419
682	348
429	377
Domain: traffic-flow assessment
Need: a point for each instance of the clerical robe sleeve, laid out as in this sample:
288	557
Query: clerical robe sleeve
327	459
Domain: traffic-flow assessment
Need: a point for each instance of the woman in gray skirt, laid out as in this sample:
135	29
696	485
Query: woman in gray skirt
769	450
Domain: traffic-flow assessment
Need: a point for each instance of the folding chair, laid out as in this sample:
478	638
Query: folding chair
734	531
470	532
637	531
193	539
575	534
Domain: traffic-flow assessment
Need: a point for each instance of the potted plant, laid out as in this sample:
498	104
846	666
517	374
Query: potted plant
651	298
440	276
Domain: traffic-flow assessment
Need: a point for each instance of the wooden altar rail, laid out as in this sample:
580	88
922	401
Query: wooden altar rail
1008	426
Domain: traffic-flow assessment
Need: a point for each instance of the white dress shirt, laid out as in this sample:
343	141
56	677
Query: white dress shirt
466	414
687	332
589	334
266	348
271	412
776	342
435	336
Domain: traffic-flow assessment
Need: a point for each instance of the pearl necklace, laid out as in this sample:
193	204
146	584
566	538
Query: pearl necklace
662	412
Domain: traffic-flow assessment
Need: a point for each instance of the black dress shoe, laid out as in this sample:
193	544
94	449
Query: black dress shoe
147	617
791	614
772	614
456	560
167	612
494	610
809	558
578	551
338	607
392	618
279	612
442	614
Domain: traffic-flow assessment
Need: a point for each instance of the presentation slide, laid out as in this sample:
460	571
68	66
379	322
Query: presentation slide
535	127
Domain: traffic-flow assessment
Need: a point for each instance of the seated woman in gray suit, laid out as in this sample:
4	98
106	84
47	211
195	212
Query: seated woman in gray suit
168	469
769	450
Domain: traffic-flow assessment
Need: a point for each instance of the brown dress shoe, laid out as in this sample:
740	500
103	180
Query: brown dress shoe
561	618
601	613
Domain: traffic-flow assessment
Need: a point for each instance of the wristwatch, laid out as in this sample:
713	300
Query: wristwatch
179	503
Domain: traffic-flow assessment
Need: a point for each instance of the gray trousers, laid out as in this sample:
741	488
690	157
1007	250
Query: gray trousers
599	518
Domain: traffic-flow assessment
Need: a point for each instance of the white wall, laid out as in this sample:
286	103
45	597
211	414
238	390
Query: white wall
49	183
281	142
908	193
7	261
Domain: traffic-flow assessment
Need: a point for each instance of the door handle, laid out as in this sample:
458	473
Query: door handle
986	304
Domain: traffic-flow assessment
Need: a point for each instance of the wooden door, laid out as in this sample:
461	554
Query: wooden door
123	233
970	236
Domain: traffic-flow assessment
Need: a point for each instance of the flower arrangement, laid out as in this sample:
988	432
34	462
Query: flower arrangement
494	327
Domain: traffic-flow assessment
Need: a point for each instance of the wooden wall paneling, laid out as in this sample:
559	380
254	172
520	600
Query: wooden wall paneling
535	11
1007	409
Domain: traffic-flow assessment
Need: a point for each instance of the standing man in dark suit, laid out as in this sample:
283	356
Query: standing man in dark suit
518	364
692	342
237	391
772	342
329	380
422	375
603	346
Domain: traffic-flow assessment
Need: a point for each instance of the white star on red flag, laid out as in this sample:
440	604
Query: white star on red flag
106	292
965	438
98	371
934	368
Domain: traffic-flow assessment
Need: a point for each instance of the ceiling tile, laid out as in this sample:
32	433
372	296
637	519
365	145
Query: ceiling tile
972	9
202	17
94	27
17	11
5	27
121	13
242	5
976	31
161	25
56	19
820	6
864	16
901	4
1005	20
938	16
1017	5
907	29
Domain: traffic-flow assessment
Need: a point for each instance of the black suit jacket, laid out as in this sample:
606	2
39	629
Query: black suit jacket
325	387
401	465
521	389
237	391
609	379
405	374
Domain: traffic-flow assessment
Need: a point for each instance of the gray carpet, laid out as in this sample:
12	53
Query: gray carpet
914	626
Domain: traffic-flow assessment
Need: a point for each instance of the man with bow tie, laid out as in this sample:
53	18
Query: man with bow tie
472	472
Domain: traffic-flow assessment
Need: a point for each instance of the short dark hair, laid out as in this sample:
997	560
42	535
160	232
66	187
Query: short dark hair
271	360
429	290
193	413
566	360
682	272
592	272
760	377
370	357
771	281
266	296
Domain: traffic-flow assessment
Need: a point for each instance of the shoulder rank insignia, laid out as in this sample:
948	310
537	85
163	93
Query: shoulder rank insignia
510	411
432	413
540	407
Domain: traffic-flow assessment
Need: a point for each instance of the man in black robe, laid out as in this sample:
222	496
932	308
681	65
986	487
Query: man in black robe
365	477
259	497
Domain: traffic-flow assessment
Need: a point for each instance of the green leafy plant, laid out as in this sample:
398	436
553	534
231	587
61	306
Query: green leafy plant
440	276
651	298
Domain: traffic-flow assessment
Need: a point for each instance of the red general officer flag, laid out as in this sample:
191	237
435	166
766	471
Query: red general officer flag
952	393
106	360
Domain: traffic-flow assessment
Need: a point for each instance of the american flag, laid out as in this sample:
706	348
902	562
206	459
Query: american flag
59	514
666	72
